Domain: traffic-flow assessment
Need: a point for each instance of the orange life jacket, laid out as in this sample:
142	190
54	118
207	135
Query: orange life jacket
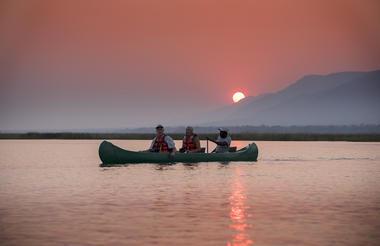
160	145
188	143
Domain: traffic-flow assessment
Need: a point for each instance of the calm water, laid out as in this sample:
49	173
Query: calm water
53	192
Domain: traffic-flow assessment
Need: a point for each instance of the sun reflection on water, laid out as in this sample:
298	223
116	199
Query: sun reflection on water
239	213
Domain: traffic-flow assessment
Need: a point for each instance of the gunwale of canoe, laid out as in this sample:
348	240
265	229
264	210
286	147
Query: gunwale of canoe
112	154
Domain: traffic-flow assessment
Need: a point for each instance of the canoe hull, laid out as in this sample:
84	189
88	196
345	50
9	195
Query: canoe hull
111	154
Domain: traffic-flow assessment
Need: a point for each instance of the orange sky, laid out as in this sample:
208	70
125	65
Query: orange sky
63	58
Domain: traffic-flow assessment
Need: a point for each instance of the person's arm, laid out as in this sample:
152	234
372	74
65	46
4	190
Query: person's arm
151	146
183	148
197	144
171	146
229	141
211	140
218	143
222	143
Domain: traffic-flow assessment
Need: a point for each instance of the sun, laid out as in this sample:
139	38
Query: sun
238	96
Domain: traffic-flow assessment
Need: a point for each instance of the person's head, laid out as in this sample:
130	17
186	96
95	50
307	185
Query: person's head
189	131
159	130
223	132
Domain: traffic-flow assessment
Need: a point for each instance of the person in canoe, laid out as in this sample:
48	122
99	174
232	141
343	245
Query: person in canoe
162	142
223	142
190	143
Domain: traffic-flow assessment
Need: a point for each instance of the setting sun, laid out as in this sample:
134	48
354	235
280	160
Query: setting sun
238	96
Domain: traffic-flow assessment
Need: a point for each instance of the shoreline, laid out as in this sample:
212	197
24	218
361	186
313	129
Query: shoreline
179	136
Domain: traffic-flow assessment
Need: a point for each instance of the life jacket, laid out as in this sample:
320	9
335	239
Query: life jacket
188	143
160	145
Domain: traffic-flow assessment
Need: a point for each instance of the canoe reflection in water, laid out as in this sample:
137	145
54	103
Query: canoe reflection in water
238	213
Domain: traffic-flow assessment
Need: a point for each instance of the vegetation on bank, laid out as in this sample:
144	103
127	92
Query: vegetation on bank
179	136
330	129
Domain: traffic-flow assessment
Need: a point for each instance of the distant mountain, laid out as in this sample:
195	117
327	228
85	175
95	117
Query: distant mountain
346	98
347	102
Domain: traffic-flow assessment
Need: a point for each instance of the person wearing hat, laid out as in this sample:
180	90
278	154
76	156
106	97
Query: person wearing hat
162	142
223	142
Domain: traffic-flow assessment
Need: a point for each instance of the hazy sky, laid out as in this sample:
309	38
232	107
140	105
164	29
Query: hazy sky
89	64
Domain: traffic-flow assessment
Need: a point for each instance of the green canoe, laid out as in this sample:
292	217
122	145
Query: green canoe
111	154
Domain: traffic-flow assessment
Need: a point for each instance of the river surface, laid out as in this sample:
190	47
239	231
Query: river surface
53	192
